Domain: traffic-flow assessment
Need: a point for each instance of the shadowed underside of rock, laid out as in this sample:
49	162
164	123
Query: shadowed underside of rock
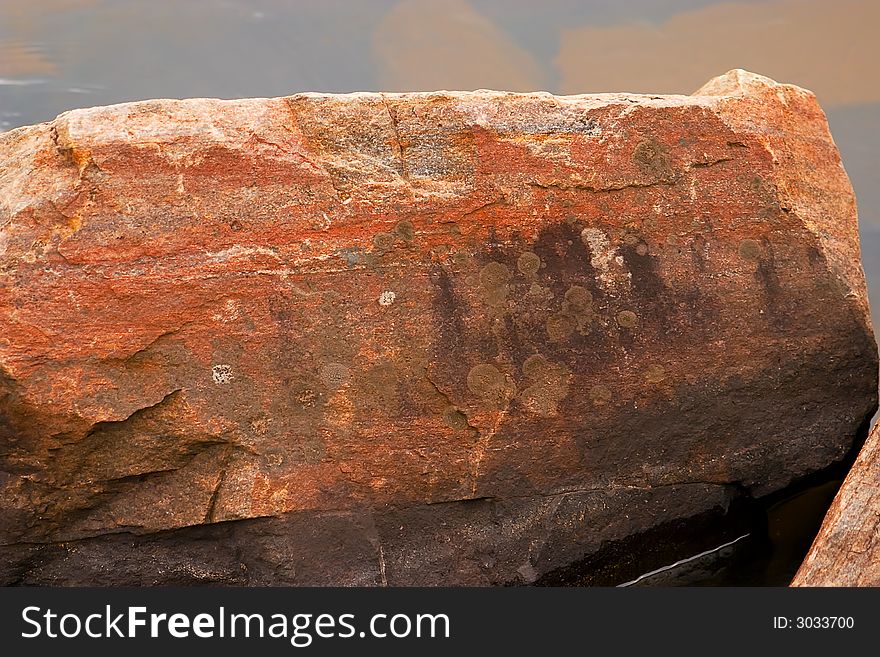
446	338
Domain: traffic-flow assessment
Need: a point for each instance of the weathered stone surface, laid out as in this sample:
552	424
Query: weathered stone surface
417	338
847	550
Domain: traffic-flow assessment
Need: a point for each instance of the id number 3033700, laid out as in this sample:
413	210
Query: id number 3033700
813	623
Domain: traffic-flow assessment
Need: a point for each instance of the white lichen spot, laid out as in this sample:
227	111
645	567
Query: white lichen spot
322	223
230	312
609	265
221	374
239	251
601	252
387	298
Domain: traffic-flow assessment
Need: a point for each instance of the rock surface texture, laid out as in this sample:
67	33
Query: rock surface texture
432	338
847	550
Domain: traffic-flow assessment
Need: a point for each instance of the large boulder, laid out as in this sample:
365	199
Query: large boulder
428	338
847	550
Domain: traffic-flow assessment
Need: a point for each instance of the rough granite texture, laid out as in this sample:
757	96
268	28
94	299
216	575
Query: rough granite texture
847	550
428	338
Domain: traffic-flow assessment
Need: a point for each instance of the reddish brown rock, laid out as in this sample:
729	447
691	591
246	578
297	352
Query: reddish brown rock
847	550
416	338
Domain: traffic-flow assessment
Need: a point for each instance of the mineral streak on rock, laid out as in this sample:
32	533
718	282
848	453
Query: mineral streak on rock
415	338
847	550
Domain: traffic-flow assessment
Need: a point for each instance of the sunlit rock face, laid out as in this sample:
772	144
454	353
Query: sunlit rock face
433	338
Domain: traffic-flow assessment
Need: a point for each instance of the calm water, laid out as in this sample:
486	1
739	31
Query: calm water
62	54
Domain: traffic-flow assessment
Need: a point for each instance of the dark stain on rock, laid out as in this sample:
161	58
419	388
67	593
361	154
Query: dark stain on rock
447	314
768	278
766	274
566	259
647	284
662	310
518	345
653	302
